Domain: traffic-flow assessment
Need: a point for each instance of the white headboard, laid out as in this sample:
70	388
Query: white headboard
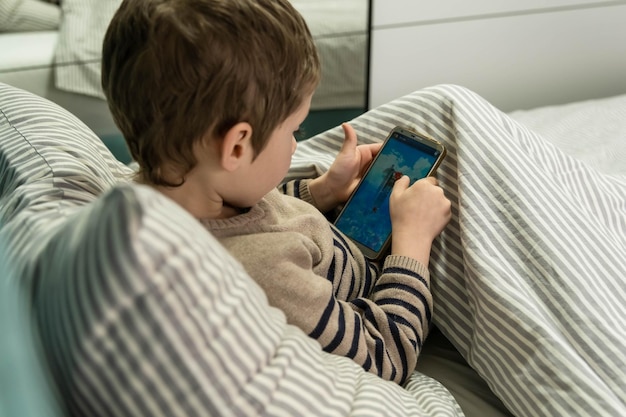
518	55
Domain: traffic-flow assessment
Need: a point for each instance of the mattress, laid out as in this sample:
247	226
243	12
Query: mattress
27	59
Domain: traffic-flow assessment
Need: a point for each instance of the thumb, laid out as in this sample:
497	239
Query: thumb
350	140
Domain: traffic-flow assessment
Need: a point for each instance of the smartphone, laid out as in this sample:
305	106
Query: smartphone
365	217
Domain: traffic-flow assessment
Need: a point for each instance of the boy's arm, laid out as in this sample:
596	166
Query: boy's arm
382	325
385	331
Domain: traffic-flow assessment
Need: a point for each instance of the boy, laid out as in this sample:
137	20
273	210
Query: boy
208	94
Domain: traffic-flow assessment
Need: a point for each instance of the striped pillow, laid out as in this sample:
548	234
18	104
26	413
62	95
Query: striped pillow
50	165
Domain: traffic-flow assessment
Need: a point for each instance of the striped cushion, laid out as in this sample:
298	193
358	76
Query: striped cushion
140	311
50	165
528	278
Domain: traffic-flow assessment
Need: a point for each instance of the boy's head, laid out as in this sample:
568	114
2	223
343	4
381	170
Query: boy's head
176	72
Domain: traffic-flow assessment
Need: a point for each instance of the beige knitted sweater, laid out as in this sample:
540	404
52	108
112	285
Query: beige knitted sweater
326	287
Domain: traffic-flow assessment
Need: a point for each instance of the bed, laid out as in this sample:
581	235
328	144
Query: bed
528	278
64	64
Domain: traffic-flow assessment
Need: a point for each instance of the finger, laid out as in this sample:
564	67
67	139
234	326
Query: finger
368	152
431	180
401	184
373	148
350	139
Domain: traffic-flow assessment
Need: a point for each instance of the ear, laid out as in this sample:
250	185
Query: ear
237	146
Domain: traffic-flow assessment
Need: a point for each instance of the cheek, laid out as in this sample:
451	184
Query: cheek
277	161
284	153
291	149
282	165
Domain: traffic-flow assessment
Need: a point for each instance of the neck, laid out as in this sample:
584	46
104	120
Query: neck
200	204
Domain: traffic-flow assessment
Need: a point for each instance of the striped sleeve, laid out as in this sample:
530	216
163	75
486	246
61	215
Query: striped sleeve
299	189
380	321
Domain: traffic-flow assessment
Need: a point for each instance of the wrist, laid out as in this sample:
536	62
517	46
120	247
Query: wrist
412	246
321	194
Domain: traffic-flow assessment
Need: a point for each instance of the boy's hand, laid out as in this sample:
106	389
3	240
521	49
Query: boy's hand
335	186
418	214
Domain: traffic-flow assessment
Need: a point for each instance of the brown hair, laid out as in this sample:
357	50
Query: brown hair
177	71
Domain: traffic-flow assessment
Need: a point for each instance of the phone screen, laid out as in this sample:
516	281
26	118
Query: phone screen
365	218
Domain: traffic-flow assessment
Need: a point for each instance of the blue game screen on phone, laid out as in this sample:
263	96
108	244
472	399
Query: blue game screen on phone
366	217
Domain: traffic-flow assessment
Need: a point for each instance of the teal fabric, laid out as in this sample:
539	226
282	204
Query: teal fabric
25	389
319	121
117	146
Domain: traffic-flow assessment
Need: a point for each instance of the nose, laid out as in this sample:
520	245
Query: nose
294	145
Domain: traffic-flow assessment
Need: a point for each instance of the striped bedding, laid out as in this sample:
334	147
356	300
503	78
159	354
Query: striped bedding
527	279
141	312
529	276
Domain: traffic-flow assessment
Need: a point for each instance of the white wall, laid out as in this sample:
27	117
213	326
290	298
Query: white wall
517	55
